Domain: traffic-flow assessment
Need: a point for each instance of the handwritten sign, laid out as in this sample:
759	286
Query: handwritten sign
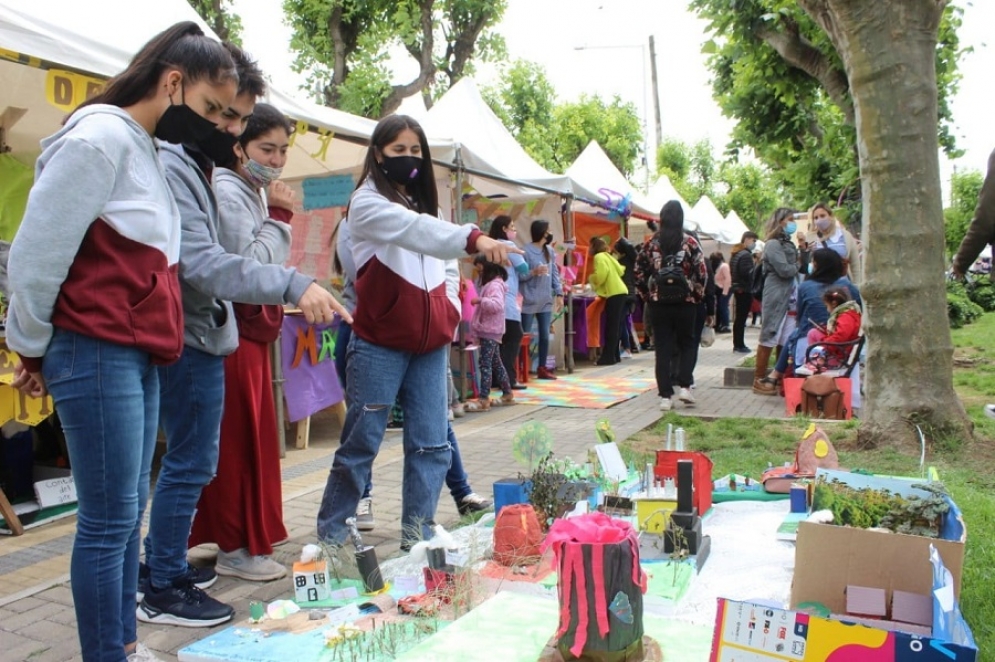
311	383
325	192
65	90
54	490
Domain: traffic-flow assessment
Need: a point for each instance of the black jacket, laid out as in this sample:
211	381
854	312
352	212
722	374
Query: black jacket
741	270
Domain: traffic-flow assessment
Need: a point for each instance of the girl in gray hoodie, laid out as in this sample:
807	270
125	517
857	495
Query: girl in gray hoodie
95	304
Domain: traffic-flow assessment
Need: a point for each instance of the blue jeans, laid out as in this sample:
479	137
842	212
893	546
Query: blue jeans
456	479
192	393
545	319
377	377
107	396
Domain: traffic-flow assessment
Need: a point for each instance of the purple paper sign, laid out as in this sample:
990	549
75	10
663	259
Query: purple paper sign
310	381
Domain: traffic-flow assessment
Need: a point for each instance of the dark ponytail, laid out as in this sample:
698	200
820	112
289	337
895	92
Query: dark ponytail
182	46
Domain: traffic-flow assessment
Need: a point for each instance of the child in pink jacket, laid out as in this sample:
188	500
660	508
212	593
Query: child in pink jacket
488	326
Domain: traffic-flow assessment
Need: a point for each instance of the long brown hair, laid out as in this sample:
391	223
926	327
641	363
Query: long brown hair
182	46
422	188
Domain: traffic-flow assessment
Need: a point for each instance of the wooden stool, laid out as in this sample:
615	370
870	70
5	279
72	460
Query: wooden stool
524	359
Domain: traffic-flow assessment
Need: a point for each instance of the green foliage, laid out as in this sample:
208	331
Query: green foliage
866	507
965	187
799	126
982	292
749	188
221	16
554	134
343	46
960	309
544	493
919	516
862	508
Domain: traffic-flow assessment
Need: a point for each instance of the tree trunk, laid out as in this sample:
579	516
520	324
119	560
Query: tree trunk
888	48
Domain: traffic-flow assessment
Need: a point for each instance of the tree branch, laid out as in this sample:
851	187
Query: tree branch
426	65
801	54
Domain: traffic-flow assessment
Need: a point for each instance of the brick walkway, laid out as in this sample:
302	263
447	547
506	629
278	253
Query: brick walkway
36	614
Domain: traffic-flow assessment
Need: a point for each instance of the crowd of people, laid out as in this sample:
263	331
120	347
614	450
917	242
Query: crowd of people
147	281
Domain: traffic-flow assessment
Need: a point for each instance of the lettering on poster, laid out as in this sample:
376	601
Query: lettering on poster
65	90
325	192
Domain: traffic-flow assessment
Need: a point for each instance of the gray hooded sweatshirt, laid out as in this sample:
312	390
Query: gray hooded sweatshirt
210	276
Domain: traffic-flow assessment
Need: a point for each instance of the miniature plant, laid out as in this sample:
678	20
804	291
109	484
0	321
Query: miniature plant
919	516
544	493
680	548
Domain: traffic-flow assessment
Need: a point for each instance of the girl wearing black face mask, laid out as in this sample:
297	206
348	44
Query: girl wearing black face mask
407	309
95	304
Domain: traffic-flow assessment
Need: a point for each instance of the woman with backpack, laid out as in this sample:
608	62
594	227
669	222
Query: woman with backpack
780	268
671	277
741	268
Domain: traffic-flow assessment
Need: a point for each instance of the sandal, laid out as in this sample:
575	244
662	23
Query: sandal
476	405
508	399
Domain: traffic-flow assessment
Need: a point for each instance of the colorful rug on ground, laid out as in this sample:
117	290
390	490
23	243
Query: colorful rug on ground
585	391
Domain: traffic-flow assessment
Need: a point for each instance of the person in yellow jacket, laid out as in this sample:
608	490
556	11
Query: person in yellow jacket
606	279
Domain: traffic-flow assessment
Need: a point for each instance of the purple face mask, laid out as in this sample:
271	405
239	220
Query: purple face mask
822	224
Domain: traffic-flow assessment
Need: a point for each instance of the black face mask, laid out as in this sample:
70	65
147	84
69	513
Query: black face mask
401	169
181	124
218	146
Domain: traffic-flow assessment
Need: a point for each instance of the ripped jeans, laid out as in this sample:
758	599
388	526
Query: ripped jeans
377	376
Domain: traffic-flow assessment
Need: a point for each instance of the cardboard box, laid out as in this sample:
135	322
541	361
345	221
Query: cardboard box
746	632
829	558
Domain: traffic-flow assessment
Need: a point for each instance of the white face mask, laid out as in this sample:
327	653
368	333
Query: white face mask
260	175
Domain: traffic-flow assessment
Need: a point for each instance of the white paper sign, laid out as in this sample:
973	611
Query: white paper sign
346	614
611	461
55	491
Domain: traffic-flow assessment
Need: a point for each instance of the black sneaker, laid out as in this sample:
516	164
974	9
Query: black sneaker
473	503
202	578
183	604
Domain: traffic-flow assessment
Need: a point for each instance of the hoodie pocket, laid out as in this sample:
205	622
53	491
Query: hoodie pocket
157	320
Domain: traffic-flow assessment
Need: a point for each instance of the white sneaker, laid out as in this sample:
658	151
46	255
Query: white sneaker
686	397
451	416
143	654
625	355
253	568
990	411
458	410
666	404
364	515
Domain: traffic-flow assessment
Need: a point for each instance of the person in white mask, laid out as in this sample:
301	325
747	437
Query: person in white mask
830	233
241	510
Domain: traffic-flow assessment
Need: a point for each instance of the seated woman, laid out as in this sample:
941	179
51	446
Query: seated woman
843	327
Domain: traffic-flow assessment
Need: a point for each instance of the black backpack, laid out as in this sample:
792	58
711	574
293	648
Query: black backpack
671	283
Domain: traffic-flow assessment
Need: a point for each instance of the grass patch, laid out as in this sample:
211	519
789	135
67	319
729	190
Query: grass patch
748	446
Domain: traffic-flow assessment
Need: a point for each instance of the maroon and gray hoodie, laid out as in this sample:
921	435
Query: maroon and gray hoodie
406	291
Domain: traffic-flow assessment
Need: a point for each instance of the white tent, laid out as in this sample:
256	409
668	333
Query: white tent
708	218
594	171
53	51
733	228
463	117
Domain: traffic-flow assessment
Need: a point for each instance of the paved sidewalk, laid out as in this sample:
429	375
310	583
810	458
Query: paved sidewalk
37	620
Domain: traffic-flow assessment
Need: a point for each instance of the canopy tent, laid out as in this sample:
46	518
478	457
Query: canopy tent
733	228
486	146
70	48
708	217
594	171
